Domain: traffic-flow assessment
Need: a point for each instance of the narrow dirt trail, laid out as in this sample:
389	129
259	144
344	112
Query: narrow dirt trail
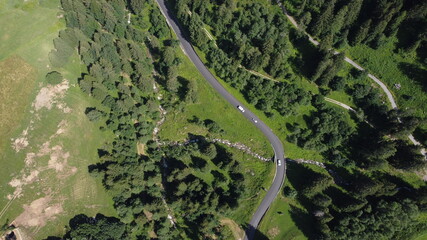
354	64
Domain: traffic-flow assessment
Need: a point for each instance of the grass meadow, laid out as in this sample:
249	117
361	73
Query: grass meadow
49	173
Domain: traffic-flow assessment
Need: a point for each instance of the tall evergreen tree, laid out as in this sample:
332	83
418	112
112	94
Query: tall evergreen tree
362	32
353	12
322	24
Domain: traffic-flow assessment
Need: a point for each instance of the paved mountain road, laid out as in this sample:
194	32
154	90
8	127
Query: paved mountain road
274	140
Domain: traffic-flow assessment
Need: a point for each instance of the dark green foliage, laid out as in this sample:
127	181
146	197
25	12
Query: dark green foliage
289	192
136	5
408	157
65	45
384	219
191	94
98	227
93	114
362	32
315	183
119	75
368	21
327	129
327	68
321	200
159	28
256	38
192	196
337	83
210	151
54	77
322	23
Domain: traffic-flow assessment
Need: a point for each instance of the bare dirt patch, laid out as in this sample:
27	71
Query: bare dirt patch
148	214
25	179
141	148
273	232
50	95
58	161
238	233
37	213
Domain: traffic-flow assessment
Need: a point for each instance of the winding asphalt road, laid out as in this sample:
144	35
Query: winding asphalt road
274	140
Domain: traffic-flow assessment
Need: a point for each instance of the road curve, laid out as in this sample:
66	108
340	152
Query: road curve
348	60
273	139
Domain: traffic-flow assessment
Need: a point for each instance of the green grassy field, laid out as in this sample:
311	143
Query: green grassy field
44	182
278	223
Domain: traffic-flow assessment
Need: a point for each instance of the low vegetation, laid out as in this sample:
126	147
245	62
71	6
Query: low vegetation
46	140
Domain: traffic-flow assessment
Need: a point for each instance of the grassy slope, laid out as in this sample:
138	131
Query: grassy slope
27	31
212	106
278	223
388	66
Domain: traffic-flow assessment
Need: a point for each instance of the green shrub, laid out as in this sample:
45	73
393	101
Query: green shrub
54	78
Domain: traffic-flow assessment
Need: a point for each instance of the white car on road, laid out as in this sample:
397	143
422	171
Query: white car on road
279	162
241	108
255	121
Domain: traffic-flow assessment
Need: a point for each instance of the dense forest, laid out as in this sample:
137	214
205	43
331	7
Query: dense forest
358	197
371	22
131	72
249	37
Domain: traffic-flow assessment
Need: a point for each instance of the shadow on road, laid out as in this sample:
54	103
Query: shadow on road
257	234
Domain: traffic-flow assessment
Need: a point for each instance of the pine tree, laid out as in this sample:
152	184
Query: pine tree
322	24
362	32
305	20
354	9
394	24
339	20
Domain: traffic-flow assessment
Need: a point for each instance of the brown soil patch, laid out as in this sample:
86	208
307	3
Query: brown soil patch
148	214
17	80
37	213
50	95
140	148
58	161
19	183
152	235
58	158
273	232
21	142
238	233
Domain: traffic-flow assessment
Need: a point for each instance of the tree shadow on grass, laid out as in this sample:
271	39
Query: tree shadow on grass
415	73
253	233
310	55
183	89
303	221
